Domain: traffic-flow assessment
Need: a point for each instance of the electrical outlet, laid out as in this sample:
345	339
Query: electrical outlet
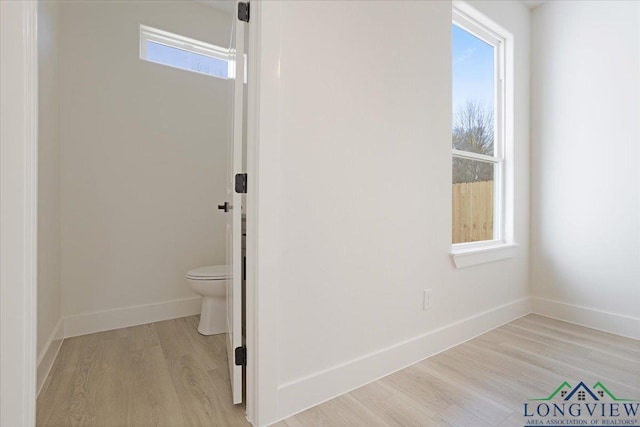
426	305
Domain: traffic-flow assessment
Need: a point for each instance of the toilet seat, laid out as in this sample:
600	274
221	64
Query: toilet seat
212	272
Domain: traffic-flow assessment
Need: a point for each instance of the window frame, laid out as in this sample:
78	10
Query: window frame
500	247
187	44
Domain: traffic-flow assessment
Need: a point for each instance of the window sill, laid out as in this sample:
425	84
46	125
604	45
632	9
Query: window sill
481	255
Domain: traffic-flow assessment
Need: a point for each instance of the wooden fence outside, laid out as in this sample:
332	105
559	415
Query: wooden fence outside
472	211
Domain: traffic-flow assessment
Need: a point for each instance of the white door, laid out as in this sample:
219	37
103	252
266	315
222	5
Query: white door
234	217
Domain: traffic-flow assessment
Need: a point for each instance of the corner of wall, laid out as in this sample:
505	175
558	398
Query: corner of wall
612	323
48	355
583	266
49	285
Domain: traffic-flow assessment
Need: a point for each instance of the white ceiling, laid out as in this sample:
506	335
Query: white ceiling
533	3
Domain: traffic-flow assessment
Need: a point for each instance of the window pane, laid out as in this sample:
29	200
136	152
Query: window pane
179	58
473	92
473	188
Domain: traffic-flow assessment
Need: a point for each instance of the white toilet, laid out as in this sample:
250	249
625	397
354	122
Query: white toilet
211	283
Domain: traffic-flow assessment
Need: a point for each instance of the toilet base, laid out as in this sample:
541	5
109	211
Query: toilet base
212	316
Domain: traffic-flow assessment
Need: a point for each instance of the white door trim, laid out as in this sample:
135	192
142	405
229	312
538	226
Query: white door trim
253	55
263	221
18	204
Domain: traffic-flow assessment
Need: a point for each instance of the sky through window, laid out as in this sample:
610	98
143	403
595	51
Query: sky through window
473	70
179	58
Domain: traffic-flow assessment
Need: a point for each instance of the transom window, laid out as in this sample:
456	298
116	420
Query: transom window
478	144
177	51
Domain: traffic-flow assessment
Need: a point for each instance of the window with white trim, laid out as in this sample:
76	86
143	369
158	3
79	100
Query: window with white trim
177	51
479	178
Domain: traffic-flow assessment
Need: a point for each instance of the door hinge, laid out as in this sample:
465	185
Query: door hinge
244	268
241	183
243	11
241	356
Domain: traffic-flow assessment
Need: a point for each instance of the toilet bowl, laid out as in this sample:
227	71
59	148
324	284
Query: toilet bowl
211	284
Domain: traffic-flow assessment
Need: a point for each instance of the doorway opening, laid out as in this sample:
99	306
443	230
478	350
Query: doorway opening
134	159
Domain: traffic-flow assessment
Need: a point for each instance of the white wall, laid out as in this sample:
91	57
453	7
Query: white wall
49	288
143	164
363	195
585	163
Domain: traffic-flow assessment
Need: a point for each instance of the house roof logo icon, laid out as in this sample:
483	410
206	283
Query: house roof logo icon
582	392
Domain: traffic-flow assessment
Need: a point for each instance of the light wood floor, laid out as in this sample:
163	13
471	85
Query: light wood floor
166	374
160	374
485	381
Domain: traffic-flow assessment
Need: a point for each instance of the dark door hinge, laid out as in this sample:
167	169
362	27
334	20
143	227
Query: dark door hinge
244	268
243	11
241	183
241	356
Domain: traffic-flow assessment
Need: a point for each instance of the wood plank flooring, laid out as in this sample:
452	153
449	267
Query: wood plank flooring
166	374
160	374
485	381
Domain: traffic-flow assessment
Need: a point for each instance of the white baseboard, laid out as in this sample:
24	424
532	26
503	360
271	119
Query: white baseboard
89	323
303	393
597	319
48	355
